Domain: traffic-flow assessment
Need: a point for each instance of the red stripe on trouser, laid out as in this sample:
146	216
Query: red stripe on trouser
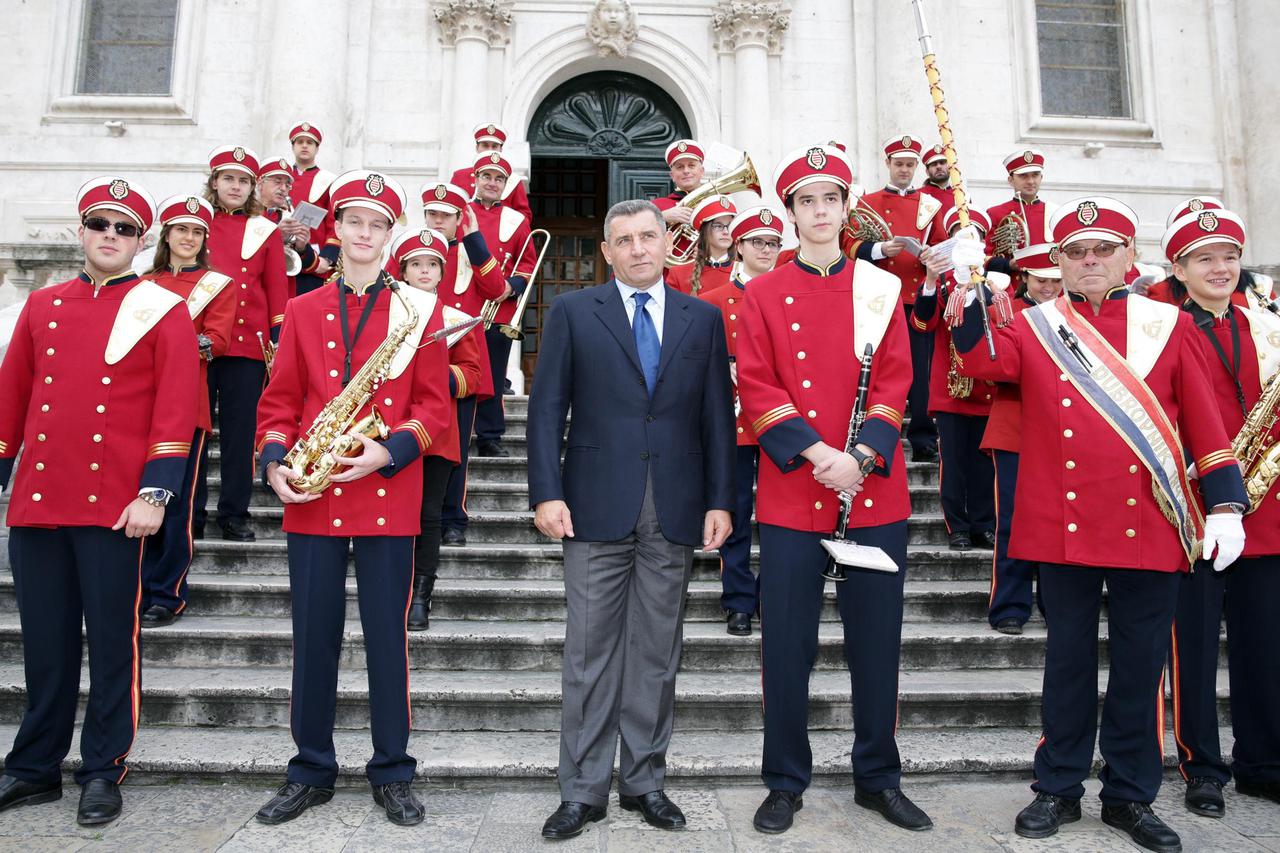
197	449
408	701
135	671
1184	751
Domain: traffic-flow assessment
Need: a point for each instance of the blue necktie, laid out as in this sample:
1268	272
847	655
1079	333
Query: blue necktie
646	341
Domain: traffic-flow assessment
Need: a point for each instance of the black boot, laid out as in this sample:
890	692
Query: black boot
420	604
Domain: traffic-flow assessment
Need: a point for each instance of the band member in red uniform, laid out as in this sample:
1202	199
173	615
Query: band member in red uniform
908	213
244	245
310	184
471	276
275	181
329	337
490	138
100	396
420	258
1134	395
181	265
684	159
1025	170
937	183
713	258
960	407
803	329
1241	348
756	235
1009	604
505	232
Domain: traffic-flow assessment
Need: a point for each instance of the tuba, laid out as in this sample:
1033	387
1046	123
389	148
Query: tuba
684	240
1257	452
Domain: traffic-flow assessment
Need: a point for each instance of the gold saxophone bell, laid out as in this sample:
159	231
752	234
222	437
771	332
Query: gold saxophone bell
684	240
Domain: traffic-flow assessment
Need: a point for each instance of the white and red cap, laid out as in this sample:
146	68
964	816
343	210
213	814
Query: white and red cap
449	198
369	190
307	129
1216	225
905	145
713	208
755	222
1024	161
1195	204
809	165
684	149
1094	217
835	143
1039	260
490	133
234	157
934	154
187	209
494	161
111	192
275	166
977	219
413	244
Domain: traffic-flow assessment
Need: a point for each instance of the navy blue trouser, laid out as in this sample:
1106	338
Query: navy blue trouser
1140	607
454	514
739	586
965	481
491	419
235	384
921	431
1010	577
1250	589
60	575
166	557
426	546
318	592
870	605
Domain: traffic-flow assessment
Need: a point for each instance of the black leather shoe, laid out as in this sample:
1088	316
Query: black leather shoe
656	809
100	803
453	536
1045	814
420	604
777	812
491	448
740	624
1204	797
959	542
291	801
15	792
1143	827
1009	625
985	539
924	454
895	807
237	530
1266	790
157	617
402	806
570	819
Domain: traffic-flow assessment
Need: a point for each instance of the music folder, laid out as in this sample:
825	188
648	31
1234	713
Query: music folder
308	214
848	553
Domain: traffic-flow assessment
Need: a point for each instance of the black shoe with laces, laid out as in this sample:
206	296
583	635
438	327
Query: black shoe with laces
777	812
291	800
1142	825
1204	797
1045	814
895	806
401	804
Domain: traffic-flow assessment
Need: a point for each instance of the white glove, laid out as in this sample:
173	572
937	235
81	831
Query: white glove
967	253
1223	531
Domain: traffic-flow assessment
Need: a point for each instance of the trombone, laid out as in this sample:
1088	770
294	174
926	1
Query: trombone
489	311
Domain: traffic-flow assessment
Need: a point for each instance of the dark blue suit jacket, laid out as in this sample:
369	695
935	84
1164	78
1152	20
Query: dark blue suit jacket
588	362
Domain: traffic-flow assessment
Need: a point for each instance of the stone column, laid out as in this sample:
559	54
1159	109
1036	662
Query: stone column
470	27
1256	65
751	32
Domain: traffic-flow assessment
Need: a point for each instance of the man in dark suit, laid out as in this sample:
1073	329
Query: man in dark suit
647	476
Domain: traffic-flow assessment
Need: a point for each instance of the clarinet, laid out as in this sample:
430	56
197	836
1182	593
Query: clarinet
833	570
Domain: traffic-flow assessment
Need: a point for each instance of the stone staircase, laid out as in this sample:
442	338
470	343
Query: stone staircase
485	686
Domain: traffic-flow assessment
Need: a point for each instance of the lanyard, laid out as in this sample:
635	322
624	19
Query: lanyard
348	341
1204	320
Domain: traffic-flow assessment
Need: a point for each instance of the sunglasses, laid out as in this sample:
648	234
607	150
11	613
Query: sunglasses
1102	250
124	229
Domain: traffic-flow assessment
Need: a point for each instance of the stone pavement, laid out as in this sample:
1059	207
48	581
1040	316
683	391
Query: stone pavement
968	816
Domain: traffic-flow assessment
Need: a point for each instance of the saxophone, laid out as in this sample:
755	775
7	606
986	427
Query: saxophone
958	387
317	454
1257	452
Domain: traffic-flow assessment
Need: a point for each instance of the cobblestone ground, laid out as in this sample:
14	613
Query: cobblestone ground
974	815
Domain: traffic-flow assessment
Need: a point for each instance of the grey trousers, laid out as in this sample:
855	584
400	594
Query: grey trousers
621	650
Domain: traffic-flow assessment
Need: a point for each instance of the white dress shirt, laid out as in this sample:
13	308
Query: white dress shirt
654	306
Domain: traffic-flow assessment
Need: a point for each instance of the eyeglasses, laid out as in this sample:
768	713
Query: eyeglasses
1102	250
762	245
124	229
718	226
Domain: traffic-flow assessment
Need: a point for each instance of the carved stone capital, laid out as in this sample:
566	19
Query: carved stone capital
488	21
742	24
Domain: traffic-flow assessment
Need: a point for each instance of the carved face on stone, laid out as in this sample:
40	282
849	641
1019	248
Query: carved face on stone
611	26
613	15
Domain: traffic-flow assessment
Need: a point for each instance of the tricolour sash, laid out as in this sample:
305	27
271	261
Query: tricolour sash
1128	406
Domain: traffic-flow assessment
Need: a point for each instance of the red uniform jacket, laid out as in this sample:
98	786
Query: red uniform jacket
1004	424
926	316
1034	214
1084	498
1259	335
212	306
947	197
731	300
905	218
669	201
714	277
252	254
517	198
96	432
464	380
308	374
798	379
505	230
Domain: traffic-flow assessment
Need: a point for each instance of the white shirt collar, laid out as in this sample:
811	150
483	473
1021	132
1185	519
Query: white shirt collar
657	291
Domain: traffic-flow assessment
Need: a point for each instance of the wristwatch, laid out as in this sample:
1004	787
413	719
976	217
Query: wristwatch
156	497
867	462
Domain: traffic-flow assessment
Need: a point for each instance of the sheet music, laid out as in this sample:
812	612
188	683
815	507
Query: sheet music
860	556
308	214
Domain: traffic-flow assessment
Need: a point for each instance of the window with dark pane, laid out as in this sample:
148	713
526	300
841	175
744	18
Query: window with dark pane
126	47
1083	58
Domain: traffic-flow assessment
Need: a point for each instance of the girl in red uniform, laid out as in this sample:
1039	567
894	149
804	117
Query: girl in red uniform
713	257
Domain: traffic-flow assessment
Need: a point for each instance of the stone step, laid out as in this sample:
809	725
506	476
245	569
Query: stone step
259	756
531	701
